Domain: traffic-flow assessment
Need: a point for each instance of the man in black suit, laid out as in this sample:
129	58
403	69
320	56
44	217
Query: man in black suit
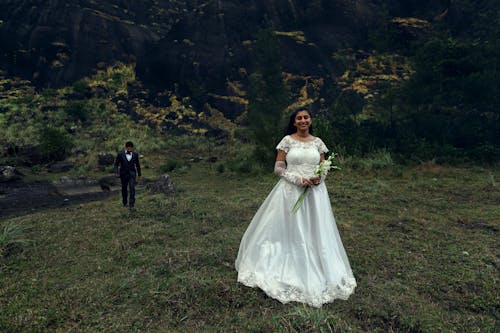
127	167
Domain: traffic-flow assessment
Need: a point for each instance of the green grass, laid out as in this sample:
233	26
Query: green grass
422	245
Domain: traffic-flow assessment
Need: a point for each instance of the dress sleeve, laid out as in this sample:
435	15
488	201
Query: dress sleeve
284	144
322	147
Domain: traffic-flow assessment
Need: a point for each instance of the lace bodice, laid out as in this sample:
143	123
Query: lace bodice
302	157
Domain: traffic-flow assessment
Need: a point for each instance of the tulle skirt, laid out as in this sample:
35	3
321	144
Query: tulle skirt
295	256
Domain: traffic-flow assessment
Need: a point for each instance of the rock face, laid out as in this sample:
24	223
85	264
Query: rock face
209	47
56	42
186	45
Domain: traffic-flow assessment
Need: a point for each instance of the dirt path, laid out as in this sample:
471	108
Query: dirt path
18	198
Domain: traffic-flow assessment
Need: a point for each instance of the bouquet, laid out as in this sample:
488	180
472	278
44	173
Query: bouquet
321	171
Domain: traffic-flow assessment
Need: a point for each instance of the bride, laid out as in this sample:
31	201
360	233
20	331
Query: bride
296	256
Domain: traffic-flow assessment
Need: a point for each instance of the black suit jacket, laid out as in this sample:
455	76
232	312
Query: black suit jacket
124	167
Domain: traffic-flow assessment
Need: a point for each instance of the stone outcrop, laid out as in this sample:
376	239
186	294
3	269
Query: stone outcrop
182	45
107	182
61	166
163	185
57	42
79	181
105	159
9	174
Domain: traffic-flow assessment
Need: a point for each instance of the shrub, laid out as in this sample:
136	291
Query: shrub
80	86
36	169
378	159
323	129
76	110
486	153
242	134
48	93
170	166
243	162
54	144
220	168
11	234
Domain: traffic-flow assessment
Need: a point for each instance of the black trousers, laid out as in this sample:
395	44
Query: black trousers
128	182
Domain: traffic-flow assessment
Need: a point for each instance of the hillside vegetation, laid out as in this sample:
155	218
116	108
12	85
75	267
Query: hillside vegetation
416	78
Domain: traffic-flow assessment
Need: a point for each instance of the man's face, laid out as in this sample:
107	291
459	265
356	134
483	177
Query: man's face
129	149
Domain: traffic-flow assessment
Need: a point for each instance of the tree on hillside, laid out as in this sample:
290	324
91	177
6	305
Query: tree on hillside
446	103
452	98
267	96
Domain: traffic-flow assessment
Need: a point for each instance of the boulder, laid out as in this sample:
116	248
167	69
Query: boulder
80	181
9	174
105	159
107	182
61	166
163	185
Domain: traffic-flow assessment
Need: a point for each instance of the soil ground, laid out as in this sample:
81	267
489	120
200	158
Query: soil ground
17	198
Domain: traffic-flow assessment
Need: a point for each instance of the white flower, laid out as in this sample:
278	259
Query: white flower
321	171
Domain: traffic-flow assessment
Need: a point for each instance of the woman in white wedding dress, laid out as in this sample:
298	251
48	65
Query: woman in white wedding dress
296	256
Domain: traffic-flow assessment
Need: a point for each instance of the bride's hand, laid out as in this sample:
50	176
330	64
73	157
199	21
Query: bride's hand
315	181
307	182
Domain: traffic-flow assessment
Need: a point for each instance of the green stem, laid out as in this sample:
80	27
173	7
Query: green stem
300	200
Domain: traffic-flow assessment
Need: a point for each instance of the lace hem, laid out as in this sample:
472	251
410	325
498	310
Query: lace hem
294	294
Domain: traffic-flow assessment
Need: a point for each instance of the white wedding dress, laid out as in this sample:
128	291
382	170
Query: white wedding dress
296	256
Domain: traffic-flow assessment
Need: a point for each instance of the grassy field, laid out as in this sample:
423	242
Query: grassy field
422	241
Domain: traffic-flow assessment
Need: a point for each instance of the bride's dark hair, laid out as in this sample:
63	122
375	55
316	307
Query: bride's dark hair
290	129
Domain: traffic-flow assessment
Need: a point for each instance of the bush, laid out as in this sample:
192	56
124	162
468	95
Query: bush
242	134
49	93
11	234
36	169
170	166
76	110
80	87
54	144
486	153
323	129
378	159
220	168
243	162
424	150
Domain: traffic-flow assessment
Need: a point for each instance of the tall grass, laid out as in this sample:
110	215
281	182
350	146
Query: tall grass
378	159
12	234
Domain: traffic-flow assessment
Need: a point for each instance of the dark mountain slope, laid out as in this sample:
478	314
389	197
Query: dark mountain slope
56	42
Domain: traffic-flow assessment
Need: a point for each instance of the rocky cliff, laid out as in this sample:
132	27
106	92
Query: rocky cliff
182	44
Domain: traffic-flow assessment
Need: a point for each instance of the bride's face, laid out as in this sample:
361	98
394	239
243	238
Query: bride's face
302	121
